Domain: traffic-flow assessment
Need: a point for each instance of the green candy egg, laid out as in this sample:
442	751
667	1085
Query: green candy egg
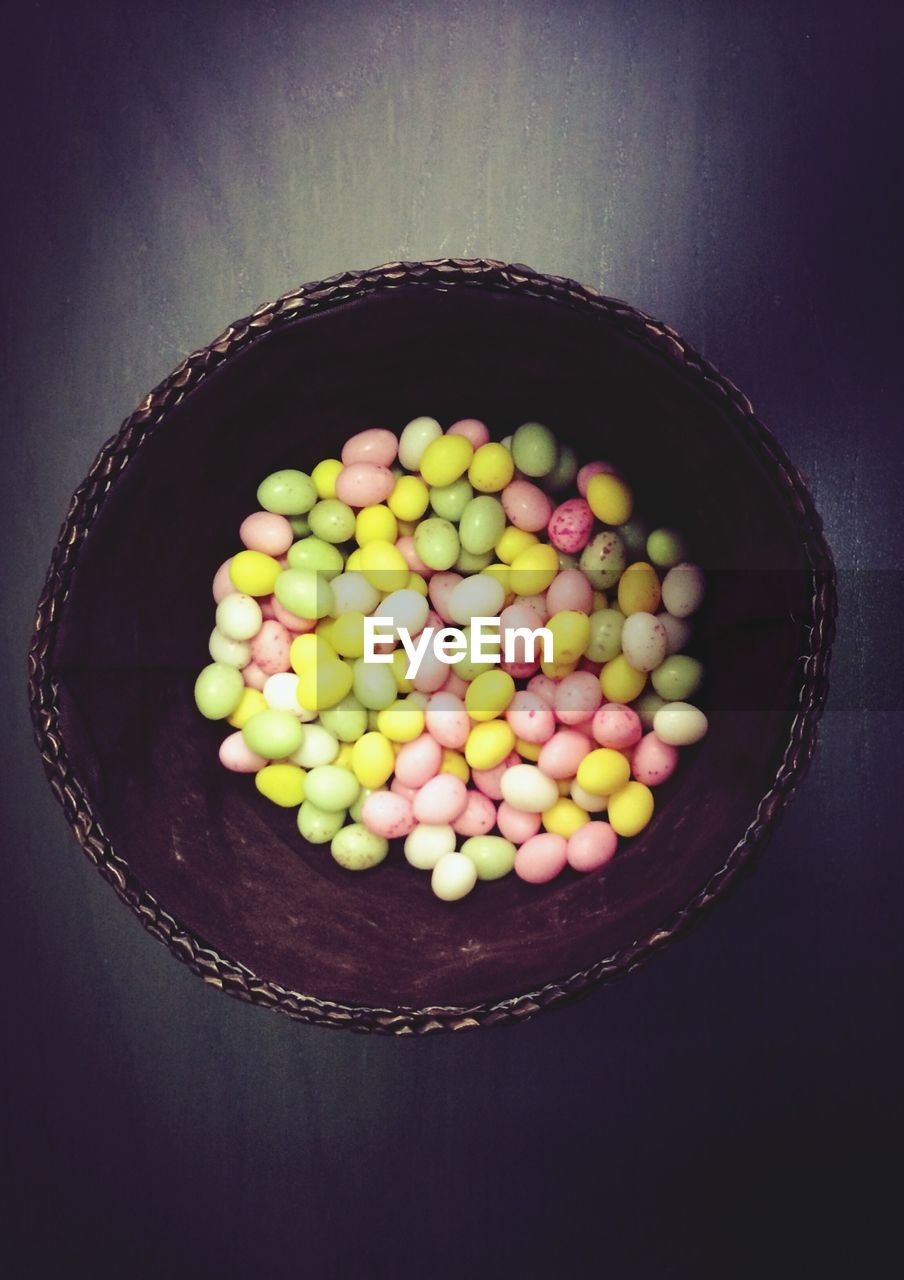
450	500
468	563
347	719
238	616
666	548
357	849
288	493
647	705
605	635
218	690
314	553
331	787
534	449
482	524
332	521
273	734
436	542
374	685
301	526
604	560
493	856
232	653
564	472
634	537
317	825
678	678
304	592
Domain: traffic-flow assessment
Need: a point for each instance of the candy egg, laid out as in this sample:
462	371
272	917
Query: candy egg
218	691
638	589
653	760
644	641
437	543
357	849
605	635
491	469
564	472
287	492
571	525
569	589
454	876
238	616
416	436
401	722
616	725
541	858
531	717
678	631
427	843
404	609
562	754
534	449
236	755
493	856
445	460
270	647
281	783
373	685
409	499
384	566
591	846
304	592
347	719
375	445
449	501
317	825
364	484
564	817
325	475
489	744
482	524
665	548
586	799
620	682
610	499
331	787
533	569
314	553
478	818
373	760
232	653
527	507
603	771
571	636
253	677
332	521
387	814
577	698
683	589
472	429
447	720
630	809
273	734
677	678
515	824
680	724
603	559
222	584
267	532
489	781
528	788
441	800
489	695
376	523
418	761
591	469
480	596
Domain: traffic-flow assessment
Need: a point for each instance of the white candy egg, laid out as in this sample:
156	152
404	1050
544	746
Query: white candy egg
683	589
414	440
644	641
527	789
454	876
406	609
481	596
352	593
318	747
680	724
427	843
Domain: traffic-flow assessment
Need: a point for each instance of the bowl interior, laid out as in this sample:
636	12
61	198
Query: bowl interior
230	866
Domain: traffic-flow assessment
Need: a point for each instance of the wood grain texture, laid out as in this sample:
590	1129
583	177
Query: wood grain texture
726	166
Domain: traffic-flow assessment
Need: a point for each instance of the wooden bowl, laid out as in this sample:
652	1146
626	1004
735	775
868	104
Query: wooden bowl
221	875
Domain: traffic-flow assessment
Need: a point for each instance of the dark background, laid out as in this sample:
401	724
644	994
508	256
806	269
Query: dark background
733	1108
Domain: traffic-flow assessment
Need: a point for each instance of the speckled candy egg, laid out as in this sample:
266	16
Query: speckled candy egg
644	641
570	526
577	698
563	753
683	589
515	824
364	484
541	858
531	717
526	506
653	760
375	445
419	761
591	846
569	590
441	800
270	648
478	816
388	814
616	725
447	720
489	781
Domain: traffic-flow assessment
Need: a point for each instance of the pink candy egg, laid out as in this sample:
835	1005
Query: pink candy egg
538	604
591	846
441	800
270	647
545	686
577	697
447	720
254	677
541	858
406	545
387	814
418	761
519	670
569	590
236	755
526	506
479	816
561	755
441	587
267	532
472	429
364	484
222	583
531	717
516	825
523	617
432	673
376	445
586	474
616	725
489	781
570	526
290	621
653	761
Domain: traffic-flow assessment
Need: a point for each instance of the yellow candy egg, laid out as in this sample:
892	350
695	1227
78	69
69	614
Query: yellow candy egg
344	758
373	760
528	750
325	475
454	762
489	743
570	635
492	468
533	569
418	584
638	589
512	542
353	563
610	499
402	722
620	682
375	524
630	809
347	635
323	685
309	650
400	662
445	460
254	573
603	771
502	573
281	783
565	817
251	702
489	694
409	499
383	565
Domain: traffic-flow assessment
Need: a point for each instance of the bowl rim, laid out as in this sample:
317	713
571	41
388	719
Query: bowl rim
438	274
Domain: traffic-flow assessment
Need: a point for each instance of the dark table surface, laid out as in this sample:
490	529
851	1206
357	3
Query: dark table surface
730	167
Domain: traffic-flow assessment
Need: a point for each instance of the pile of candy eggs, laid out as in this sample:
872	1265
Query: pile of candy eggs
533	762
